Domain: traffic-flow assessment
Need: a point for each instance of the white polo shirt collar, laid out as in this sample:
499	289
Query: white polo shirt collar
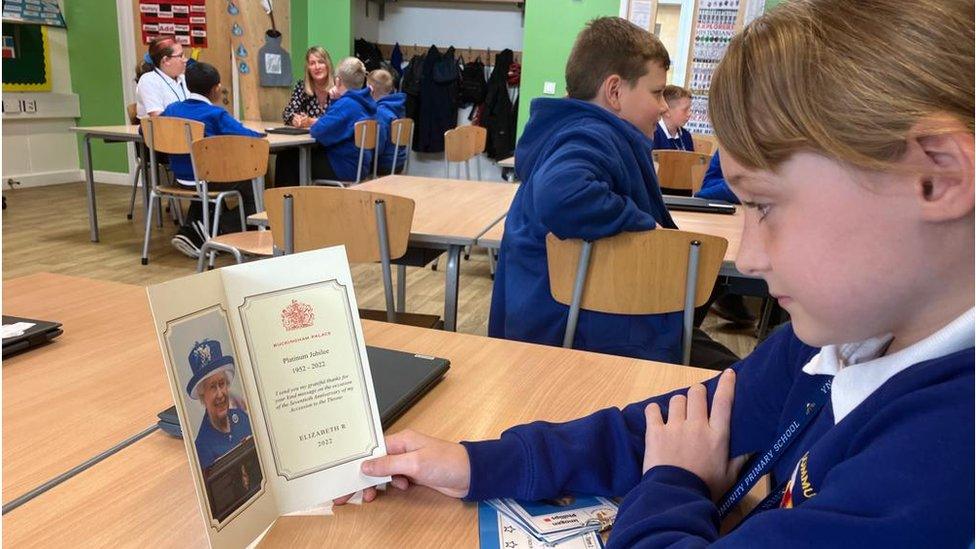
859	369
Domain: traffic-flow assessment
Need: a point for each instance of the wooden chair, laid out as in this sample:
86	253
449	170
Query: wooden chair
374	227
680	171
130	111
364	133
635	273
401	135
704	144
172	135
461	145
229	159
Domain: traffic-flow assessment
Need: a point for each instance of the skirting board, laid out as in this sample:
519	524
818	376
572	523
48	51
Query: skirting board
67	176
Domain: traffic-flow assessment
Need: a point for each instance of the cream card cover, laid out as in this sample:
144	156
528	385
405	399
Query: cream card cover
269	373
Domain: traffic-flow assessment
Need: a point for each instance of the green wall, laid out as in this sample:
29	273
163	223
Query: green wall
772	3
550	28
326	23
96	76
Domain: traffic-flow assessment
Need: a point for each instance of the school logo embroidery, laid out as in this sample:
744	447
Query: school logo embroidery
297	315
234	418
802	474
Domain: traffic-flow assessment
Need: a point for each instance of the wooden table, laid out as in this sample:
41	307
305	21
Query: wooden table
99	383
449	214
130	133
507	162
143	496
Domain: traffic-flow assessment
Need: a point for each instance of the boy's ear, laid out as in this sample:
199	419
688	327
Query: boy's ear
945	192
611	91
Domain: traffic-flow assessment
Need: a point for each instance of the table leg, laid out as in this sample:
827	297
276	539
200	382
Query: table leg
304	165
451	287
90	189
401	300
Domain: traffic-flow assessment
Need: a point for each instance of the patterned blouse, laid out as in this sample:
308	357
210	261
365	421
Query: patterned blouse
302	103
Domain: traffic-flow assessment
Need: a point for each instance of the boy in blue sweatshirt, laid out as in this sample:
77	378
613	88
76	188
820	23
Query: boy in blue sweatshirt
586	172
203	81
389	107
861	222
670	132
335	130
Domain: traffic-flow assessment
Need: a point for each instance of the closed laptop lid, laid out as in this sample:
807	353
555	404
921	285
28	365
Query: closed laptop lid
692	204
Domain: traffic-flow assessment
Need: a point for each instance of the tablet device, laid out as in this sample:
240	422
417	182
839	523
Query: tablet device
704	205
27	333
288	130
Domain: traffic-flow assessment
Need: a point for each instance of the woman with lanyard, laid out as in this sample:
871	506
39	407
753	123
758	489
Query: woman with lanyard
670	133
309	100
161	81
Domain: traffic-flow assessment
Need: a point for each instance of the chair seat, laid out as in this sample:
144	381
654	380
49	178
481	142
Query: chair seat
250	242
407	319
189	192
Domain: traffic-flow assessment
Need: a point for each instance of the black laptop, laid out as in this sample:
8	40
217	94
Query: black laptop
288	130
400	379
40	333
704	205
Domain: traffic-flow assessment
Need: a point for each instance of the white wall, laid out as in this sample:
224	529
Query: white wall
458	24
38	149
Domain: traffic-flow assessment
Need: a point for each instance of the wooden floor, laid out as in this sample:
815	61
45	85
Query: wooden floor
46	229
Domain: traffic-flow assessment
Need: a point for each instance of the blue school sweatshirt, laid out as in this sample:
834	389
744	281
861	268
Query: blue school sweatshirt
216	121
586	173
897	471
663	142
389	108
335	130
714	186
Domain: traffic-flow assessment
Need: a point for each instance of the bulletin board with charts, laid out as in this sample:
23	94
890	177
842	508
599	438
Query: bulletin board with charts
184	20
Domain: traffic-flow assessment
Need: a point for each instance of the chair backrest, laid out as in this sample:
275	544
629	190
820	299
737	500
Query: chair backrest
131	111
167	134
704	144
329	216
635	273
365	134
464	143
401	131
675	169
229	158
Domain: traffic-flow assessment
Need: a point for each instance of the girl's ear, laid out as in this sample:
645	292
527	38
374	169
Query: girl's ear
945	191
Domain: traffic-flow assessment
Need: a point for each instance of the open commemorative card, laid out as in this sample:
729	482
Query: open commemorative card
271	380
555	521
499	531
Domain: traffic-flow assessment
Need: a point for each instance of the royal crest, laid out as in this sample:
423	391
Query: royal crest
297	315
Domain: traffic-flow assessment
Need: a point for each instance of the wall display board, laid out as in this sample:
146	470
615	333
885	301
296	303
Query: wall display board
715	23
38	12
27	66
185	20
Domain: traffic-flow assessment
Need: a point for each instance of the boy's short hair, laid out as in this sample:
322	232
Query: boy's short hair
352	73
889	64
381	80
606	46
201	78
674	93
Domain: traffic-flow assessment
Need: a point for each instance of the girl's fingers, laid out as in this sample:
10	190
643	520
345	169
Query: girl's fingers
722	401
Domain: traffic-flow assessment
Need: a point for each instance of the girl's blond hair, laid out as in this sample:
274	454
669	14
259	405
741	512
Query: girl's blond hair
317	51
848	79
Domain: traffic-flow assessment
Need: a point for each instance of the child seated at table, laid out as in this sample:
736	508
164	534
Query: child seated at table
335	130
670	132
861	222
586	173
389	107
203	81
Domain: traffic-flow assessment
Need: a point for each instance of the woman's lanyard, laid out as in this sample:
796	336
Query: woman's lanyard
761	464
179	96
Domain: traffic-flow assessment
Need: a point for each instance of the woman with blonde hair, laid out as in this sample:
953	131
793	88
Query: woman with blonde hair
313	94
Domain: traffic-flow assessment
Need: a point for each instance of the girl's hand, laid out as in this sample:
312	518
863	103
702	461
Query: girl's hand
693	440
